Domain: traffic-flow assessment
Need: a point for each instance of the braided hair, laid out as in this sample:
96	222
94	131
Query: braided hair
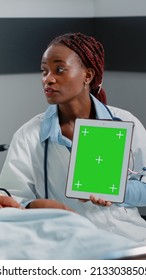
91	53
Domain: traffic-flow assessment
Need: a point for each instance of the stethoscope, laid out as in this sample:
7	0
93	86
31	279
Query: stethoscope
45	168
4	190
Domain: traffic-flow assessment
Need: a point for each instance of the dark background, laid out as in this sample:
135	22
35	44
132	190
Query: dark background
23	41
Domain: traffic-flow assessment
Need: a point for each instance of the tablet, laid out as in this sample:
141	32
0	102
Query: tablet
99	159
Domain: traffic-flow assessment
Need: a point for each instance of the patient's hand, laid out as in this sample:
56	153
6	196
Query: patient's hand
48	203
7	201
96	201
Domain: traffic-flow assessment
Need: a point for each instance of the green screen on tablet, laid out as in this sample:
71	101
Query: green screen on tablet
99	159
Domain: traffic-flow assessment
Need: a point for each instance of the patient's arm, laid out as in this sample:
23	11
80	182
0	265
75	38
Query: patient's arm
48	203
7	201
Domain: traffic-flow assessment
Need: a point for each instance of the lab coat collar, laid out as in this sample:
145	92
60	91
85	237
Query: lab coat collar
50	123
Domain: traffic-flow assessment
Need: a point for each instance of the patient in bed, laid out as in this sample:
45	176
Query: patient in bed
46	233
8	201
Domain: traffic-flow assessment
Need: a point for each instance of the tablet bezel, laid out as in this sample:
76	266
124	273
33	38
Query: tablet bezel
124	173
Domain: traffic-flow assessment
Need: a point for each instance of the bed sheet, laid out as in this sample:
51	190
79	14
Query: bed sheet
54	235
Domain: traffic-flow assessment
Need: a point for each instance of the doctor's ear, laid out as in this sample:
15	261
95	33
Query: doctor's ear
89	75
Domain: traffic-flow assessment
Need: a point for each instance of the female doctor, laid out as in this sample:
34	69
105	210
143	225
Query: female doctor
35	170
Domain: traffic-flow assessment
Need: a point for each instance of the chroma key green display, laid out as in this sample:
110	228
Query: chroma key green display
99	160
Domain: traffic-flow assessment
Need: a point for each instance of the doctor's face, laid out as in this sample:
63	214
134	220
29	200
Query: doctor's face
63	74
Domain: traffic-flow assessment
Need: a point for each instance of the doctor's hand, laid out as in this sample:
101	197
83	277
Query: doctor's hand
96	201
7	201
48	203
99	201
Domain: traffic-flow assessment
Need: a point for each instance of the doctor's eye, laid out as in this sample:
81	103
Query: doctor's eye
44	72
60	69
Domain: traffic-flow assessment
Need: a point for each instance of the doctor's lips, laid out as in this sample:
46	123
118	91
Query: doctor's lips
50	91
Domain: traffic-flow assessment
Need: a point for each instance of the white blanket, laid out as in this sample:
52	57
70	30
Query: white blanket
54	234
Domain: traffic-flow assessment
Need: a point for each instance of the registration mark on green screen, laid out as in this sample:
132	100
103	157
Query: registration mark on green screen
99	159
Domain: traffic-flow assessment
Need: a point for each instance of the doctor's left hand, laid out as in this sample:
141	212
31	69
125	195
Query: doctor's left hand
96	201
99	201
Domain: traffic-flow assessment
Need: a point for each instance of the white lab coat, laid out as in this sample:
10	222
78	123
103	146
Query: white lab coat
23	176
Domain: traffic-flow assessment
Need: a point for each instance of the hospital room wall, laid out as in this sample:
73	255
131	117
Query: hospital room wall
21	94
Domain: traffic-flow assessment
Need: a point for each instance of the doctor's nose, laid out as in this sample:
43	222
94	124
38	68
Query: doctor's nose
49	79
